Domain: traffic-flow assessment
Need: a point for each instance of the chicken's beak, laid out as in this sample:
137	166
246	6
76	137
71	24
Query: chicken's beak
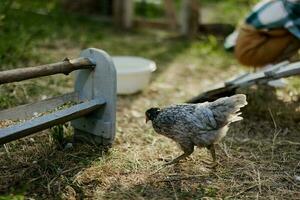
147	119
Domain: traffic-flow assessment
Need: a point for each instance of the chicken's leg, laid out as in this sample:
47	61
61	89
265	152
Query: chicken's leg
183	156
212	152
188	150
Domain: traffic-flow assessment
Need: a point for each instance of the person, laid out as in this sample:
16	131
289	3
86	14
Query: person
269	35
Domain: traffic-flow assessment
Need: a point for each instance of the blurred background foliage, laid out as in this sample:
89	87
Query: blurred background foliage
23	23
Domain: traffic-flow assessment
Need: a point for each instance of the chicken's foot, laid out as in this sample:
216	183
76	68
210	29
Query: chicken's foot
176	160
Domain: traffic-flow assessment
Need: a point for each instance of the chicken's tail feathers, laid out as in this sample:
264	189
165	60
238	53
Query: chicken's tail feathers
233	102
239	100
235	117
229	107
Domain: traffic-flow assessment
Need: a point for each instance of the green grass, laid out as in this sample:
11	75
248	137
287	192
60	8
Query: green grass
259	157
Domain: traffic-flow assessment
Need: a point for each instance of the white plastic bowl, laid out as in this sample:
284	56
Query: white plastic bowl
133	73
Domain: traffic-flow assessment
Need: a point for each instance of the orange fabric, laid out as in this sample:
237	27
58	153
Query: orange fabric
260	47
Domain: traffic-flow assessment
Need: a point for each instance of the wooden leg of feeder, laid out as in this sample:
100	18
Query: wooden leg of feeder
99	126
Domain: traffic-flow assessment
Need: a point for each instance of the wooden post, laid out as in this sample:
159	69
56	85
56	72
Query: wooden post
171	14
190	16
123	13
99	127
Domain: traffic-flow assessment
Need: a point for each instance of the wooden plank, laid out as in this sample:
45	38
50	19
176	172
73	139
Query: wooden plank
271	70
47	121
232	81
151	23
213	94
217	29
290	70
28	110
64	67
281	70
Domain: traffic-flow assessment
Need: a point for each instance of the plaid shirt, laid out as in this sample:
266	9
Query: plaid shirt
270	14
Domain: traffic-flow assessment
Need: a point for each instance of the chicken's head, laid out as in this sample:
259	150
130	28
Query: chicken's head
151	113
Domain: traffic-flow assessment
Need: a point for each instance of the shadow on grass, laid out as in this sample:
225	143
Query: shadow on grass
265	105
35	167
176	185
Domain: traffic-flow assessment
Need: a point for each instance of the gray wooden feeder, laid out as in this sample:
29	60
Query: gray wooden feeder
93	116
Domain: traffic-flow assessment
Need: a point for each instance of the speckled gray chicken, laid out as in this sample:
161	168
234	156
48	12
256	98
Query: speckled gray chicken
202	125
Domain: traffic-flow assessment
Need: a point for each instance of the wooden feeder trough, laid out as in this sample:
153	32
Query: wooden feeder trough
94	114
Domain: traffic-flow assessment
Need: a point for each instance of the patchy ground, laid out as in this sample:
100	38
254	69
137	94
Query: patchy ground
259	158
